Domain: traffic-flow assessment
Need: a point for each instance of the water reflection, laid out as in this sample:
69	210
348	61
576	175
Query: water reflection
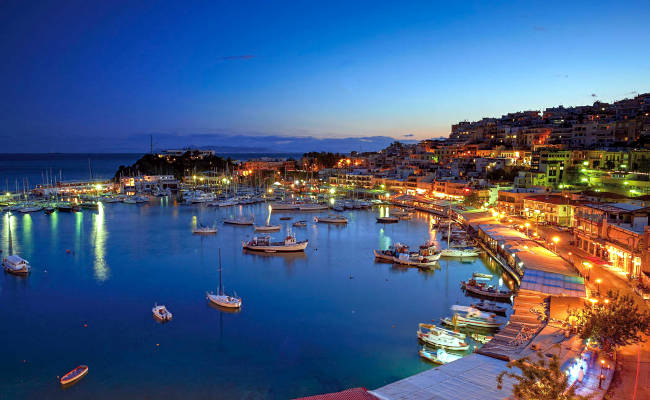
99	244
384	240
27	232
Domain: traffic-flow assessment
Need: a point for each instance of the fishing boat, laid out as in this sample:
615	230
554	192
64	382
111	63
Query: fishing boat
439	357
489	306
264	243
161	313
74	375
240	220
221	298
204	230
388	220
481	275
400	254
332	219
300	224
440	337
489	291
267	228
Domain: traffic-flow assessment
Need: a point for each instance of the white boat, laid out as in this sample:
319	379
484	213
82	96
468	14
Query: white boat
16	265
221	298
482	276
332	219
240	220
227	203
439	357
161	313
444	338
130	200
338	208
312	207
460	252
267	228
469	316
284	206
300	224
204	230
29	208
265	244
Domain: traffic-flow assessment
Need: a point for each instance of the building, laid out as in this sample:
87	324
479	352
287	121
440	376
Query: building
553	209
617	233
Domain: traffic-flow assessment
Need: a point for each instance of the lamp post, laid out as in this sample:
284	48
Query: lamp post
527	226
556	239
598	282
588	266
600	378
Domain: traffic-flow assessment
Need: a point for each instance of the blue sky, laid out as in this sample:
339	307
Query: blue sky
118	70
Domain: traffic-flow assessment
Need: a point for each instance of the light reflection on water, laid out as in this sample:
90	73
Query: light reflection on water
312	322
99	245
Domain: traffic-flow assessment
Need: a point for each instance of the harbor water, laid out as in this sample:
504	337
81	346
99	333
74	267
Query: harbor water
321	321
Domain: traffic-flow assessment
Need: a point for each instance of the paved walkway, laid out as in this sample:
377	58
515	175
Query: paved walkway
632	379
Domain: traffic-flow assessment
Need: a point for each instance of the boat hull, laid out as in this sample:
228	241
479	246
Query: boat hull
293	248
74	376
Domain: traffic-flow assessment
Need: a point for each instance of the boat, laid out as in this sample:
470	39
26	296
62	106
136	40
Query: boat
264	243
284	206
267	228
74	375
424	328
400	254
442	338
481	338
16	265
471	317
481	275
49	210
489	306
221	298
312	207
285	218
338	208
30	208
460	252
388	220
300	224
204	230
161	313
89	205
439	357
240	221
332	219
130	200
489	291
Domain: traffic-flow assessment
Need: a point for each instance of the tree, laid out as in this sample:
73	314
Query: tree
472	199
539	380
614	321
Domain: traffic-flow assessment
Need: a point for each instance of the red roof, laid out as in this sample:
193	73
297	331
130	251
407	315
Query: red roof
349	394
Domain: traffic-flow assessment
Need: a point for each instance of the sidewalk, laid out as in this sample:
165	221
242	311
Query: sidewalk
632	376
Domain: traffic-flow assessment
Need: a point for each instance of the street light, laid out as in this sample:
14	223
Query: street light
556	240
588	266
527	226
598	282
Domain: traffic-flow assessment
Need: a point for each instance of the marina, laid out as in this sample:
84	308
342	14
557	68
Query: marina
107	253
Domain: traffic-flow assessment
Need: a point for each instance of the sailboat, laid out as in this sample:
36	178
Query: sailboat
451	251
222	299
14	264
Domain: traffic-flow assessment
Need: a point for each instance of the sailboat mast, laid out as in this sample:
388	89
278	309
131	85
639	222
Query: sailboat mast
220	286
11	248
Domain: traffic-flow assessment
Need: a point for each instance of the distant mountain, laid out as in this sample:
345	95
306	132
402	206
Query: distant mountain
274	144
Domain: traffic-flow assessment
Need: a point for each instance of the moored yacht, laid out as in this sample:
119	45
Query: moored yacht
16	265
221	298
161	313
332	219
240	220
265	244
267	228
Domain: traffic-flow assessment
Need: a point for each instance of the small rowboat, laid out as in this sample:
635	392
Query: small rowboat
74	375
